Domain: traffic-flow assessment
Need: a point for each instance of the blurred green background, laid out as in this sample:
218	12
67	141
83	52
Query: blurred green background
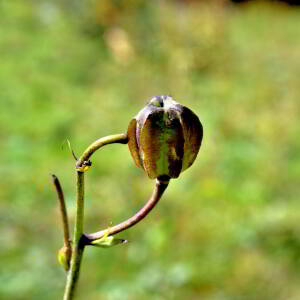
228	228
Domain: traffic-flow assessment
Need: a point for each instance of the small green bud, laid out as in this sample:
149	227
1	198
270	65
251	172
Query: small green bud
64	256
108	241
164	138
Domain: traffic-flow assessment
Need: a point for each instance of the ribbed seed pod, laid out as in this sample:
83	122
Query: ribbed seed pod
164	138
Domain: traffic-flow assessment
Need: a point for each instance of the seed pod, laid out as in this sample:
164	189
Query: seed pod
164	138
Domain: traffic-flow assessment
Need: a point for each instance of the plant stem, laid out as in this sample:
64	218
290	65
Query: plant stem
78	239
65	223
78	246
159	189
63	210
111	139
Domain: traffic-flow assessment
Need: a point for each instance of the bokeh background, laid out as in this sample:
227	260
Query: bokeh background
228	228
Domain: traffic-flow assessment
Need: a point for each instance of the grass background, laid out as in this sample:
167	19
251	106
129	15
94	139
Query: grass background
228	228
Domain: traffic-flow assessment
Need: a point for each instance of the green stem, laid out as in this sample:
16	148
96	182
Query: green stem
111	139
79	237
78	246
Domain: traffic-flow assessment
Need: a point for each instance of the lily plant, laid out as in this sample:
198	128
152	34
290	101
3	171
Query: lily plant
164	140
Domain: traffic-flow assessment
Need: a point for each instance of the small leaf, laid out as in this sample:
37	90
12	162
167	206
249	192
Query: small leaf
108	241
70	148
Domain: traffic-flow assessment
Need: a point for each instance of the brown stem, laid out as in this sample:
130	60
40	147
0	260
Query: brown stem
63	212
159	189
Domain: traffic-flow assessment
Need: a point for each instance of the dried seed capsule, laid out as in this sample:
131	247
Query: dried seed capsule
164	138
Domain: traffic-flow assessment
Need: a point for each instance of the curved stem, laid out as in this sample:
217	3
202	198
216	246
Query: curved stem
159	189
78	240
78	246
111	139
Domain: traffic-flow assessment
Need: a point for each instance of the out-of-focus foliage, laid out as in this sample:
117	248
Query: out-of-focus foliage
229	227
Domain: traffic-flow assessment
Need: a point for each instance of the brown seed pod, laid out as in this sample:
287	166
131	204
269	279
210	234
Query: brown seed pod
164	138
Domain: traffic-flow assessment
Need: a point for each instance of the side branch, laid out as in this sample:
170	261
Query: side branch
63	211
159	189
111	139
